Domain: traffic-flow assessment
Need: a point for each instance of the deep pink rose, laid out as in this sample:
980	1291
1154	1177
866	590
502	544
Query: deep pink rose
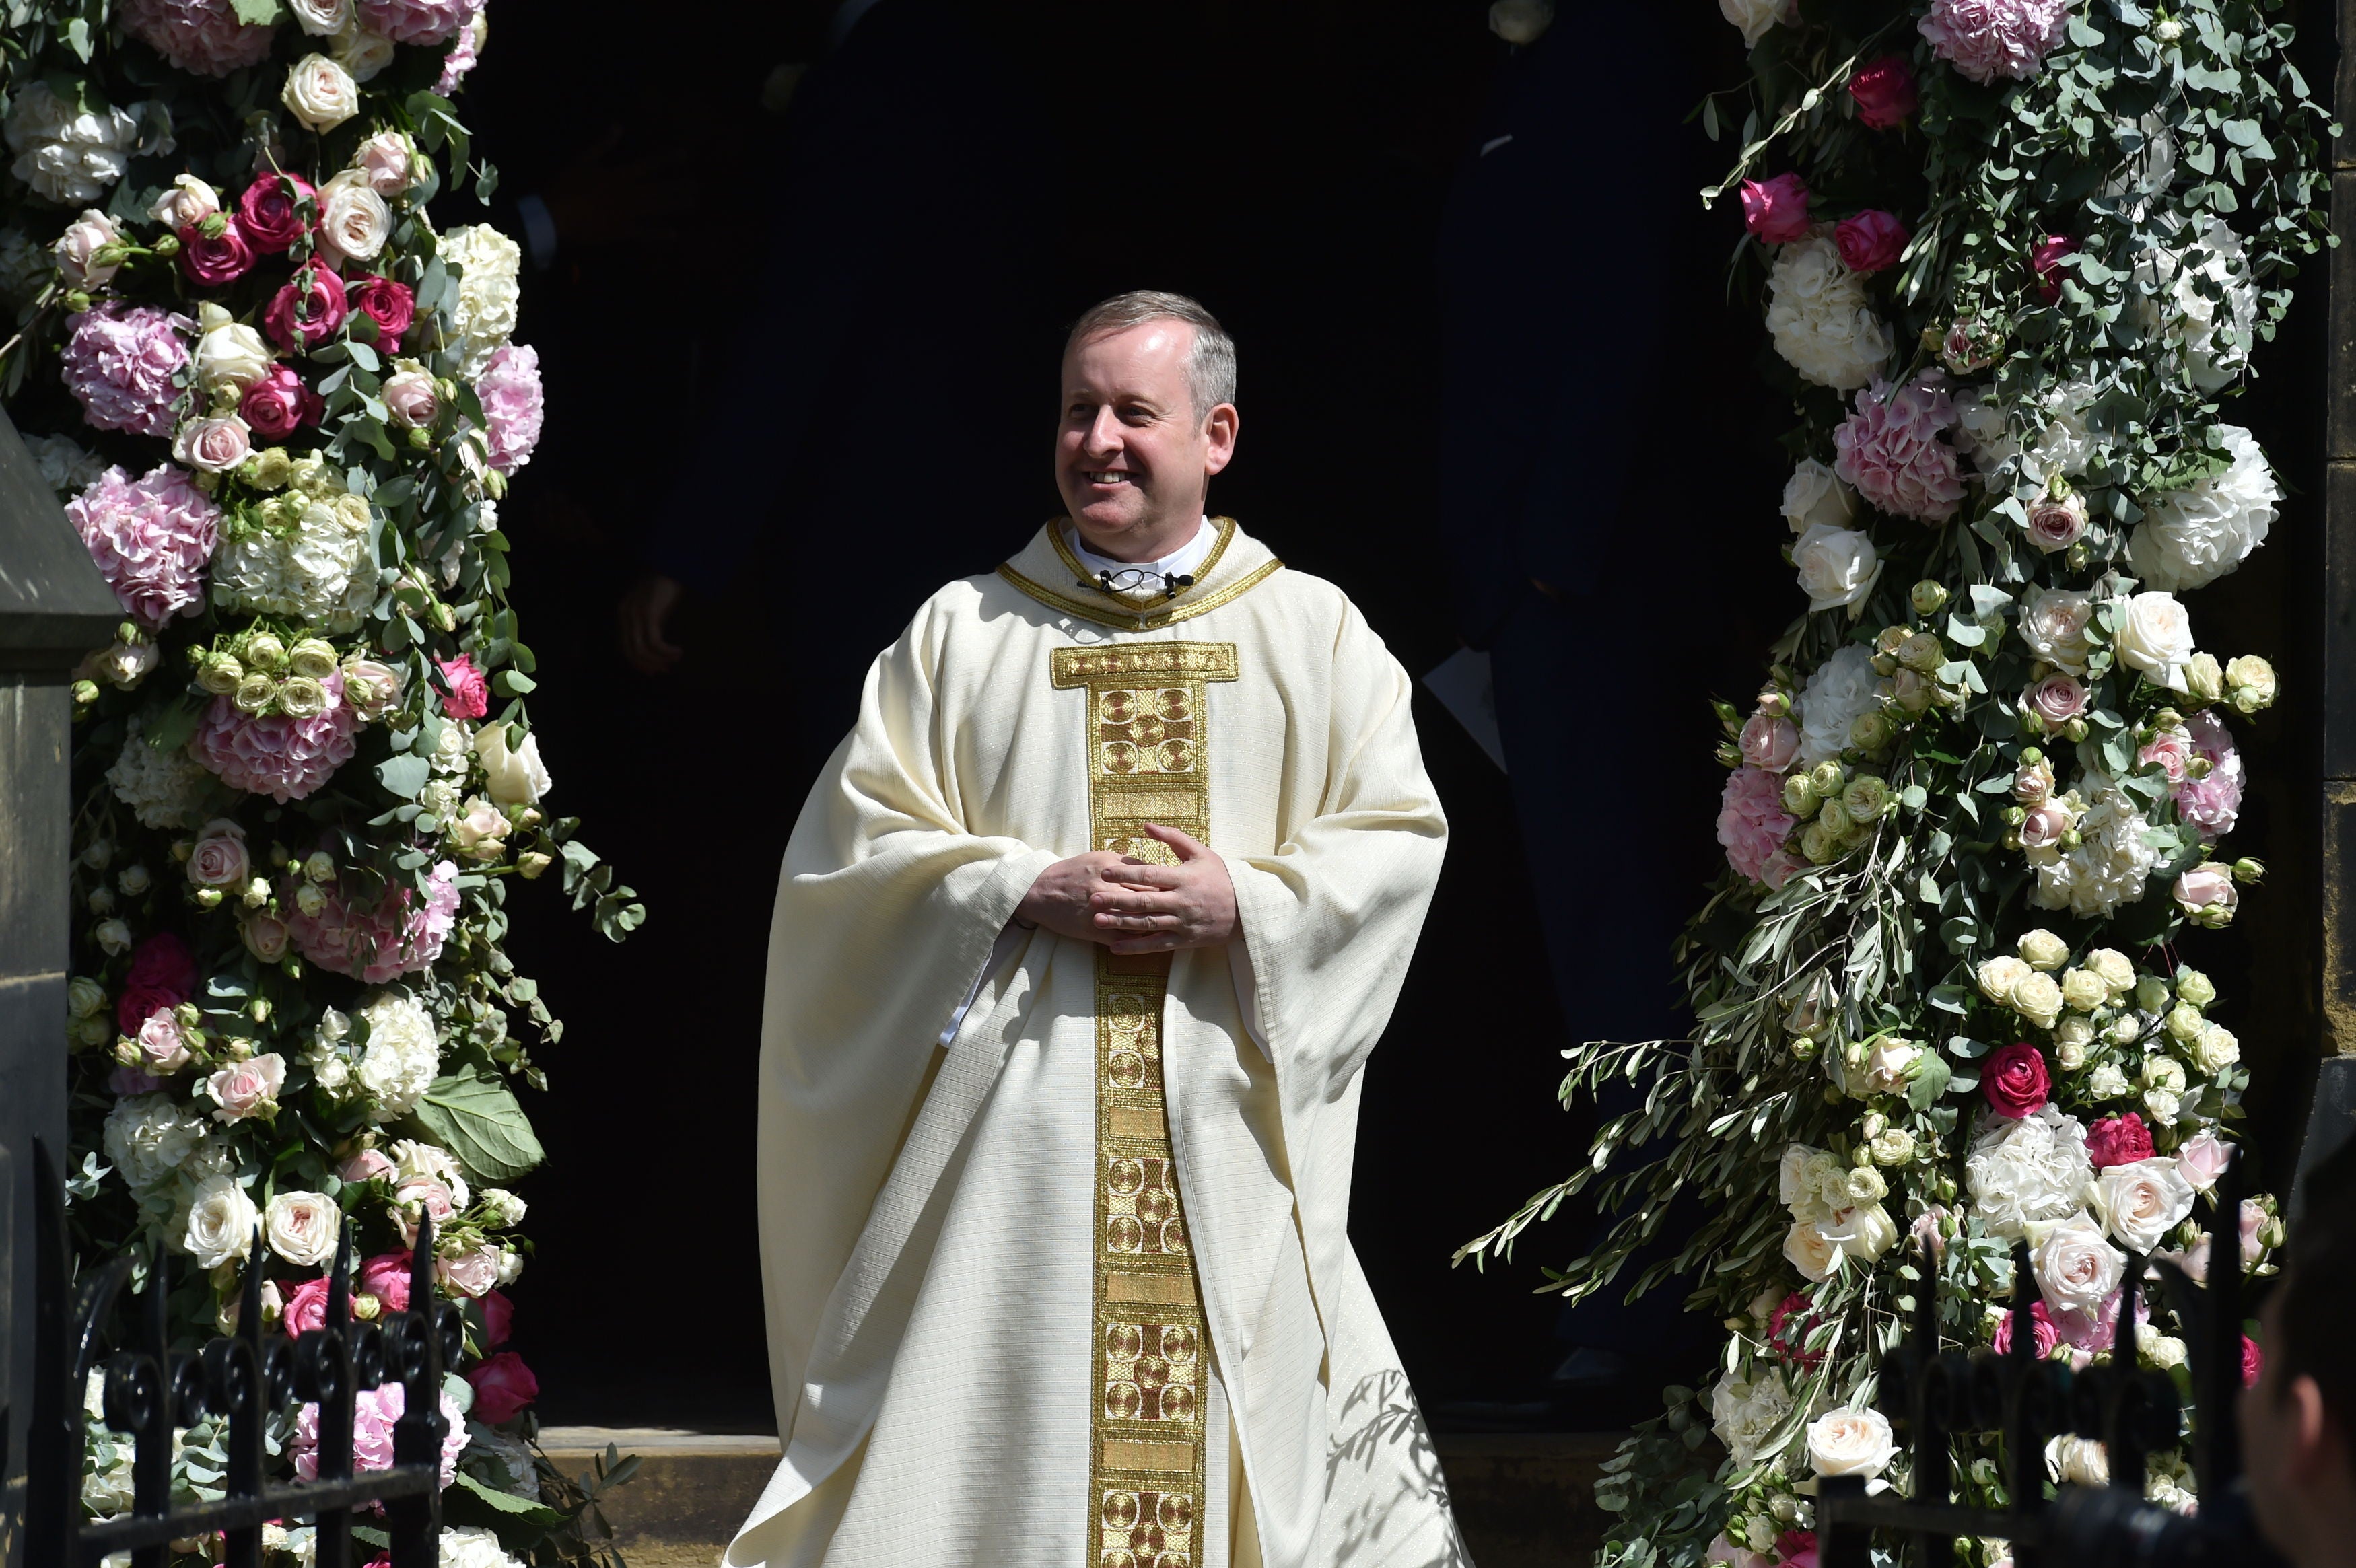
1775	210
1884	91
503	1386
386	302
142	1002
1871	241
271	214
1796	1548
306	1306
164	961
220	258
308	310
1770	743
498	1316
2057	700
2015	1080
469	697
2043	1333
2047	262
1788	1326
2118	1140
386	1278
278	402
2253	1363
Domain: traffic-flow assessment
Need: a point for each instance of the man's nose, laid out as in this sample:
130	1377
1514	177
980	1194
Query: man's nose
1103	434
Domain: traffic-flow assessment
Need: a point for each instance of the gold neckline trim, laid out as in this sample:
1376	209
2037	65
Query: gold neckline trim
1202	573
1146	623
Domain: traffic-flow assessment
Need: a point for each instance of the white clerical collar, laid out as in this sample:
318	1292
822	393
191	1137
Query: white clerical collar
1179	563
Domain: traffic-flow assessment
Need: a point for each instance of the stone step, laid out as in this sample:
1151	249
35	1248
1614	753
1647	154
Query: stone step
1524	1500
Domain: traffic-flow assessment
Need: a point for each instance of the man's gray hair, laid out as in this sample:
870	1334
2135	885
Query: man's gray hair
1210	367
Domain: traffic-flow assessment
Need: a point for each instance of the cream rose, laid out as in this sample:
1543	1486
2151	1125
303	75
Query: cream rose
1887	1065
2038	999
1999	975
2139	1202
321	18
1864	1233
2082	990
221	1220
2157	638
2115	968
353	219
230	356
2053	624
1837	566
362	53
303	1228
1816	496
514	777
410	399
320	94
2215	1050
1852	1441
2077	1269
2040	949
1809	1250
186	203
76	250
215	444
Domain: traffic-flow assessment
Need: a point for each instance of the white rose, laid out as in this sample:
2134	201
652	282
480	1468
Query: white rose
2076	1268
2040	949
1820	318
1837	566
1851	1442
2027	1170
2053	623
1815	494
2163	1104
2141	1202
1885	1066
2157	638
216	443
1744	1411
2192	536
221	1220
321	18
1999	976
2037	999
230	356
2078	1462
452	747
2106	1082
353	219
1809	1250
1864	1233
320	94
2082	990
413	1160
2161	1351
304	1228
83	239
362	53
1755	16
505	1204
510	1266
188	202
513	777
2215	1050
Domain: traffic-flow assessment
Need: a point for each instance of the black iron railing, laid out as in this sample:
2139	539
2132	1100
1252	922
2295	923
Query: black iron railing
150	1389
1933	1394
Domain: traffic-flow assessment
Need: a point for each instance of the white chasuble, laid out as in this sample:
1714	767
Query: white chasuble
1063	1279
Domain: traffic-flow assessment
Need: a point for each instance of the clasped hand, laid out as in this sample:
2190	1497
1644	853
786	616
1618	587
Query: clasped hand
1134	906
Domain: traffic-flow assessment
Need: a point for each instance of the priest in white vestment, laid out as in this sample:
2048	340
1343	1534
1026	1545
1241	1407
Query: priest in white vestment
1081	941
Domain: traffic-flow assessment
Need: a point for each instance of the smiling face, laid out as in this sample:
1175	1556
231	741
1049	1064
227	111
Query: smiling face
1133	458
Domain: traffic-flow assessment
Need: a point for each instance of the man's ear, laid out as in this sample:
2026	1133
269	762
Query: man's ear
2318	1451
1219	432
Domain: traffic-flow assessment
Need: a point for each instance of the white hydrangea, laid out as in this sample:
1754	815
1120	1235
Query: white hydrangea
319	571
484	315
68	155
473	1546
1842	690
1819	316
163	789
2200	295
148	1137
1745	1410
2027	1169
2033	441
402	1056
66	465
2110	865
2192	537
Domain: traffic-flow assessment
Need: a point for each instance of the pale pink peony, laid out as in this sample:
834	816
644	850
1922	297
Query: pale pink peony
282	757
1752	826
1985	39
119	361
373	1413
417	21
199	36
510	391
151	538
385	940
1890	450
2213	803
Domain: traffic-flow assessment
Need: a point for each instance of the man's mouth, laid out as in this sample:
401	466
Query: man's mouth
1108	477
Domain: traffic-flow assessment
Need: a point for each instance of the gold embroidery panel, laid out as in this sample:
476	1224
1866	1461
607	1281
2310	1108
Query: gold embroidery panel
1146	764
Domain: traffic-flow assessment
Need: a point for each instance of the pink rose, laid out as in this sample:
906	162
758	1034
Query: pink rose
2044	825
2168	750
469	697
213	259
2254	1219
386	1278
473	1272
422	1195
1796	1548
366	1165
306	1306
2055	523
409	397
2057	700
498	1316
271	214
2253	1363
2118	1140
503	1386
278	402
2213	803
2046	259
219	859
163	1048
76	250
265	935
384	159
2015	1081
1871	241
2043	1333
1770	743
248	1088
1776	210
2203	1158
308	310
2207	893
1925	1231
1884	91
388	303
215	444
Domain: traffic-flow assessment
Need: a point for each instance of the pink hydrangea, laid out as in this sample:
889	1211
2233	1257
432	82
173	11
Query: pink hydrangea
510	391
1752	826
2213	801
119	361
417	21
458	61
382	941
1985	39
151	538
200	36
468	697
374	1409
1890	450
282	757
